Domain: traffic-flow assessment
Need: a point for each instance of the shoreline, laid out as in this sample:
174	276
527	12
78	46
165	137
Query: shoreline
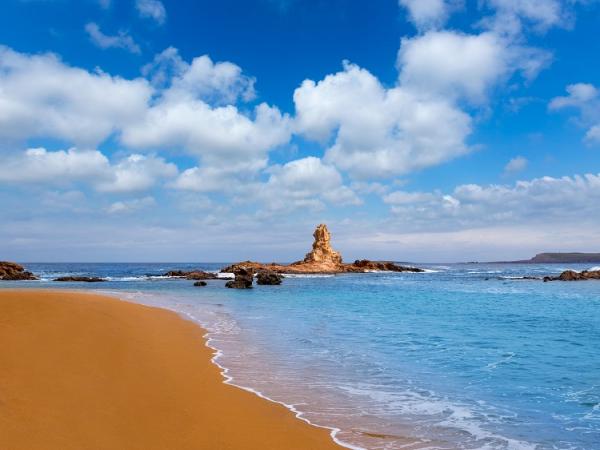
279	427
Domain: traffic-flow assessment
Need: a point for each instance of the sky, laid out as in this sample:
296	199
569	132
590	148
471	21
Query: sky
192	130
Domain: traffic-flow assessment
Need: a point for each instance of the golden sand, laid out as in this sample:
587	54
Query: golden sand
85	372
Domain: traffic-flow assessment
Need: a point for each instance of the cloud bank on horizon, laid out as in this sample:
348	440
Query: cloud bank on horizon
186	159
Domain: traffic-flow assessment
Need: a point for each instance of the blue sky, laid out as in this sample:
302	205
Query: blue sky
424	130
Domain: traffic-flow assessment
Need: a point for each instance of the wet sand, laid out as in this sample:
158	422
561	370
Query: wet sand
85	372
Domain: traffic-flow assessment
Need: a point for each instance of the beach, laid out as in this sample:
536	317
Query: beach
84	371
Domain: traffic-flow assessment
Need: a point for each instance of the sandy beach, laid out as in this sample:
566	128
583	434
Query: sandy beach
82	371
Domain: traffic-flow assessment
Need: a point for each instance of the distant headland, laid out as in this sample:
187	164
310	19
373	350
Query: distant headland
573	258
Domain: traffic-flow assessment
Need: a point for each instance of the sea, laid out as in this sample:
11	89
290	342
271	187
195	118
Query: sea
462	356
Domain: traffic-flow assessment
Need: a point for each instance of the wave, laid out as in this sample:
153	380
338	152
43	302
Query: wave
308	275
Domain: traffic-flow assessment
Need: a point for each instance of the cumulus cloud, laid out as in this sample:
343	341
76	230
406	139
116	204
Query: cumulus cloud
128	206
462	65
42	97
121	40
511	16
37	165
426	14
226	178
378	132
585	98
193	109
516	164
152	9
307	183
540	200
40	166
137	173
217	83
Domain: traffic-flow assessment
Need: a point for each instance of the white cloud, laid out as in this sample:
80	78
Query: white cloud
214	134
128	206
227	178
459	65
427	14
121	40
378	132
580	94
512	15
218	83
40	166
516	164
381	132
305	182
42	97
137	173
37	165
152	9
105	4
584	97
540	200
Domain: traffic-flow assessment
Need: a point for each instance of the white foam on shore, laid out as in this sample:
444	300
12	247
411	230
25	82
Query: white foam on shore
308	275
227	378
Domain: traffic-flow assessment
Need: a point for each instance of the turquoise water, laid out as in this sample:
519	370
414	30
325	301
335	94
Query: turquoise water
464	356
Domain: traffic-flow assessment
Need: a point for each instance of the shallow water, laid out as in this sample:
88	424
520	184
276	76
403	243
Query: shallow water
464	356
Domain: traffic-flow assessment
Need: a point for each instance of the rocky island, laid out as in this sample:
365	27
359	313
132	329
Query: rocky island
14	272
322	259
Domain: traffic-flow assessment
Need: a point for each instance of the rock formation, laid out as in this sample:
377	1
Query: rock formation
365	265
200	283
268	277
322	253
243	279
322	259
14	272
191	275
571	275
80	279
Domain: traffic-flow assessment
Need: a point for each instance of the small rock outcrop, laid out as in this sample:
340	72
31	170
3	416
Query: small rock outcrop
191	275
243	279
365	265
571	275
200	283
268	277
80	279
10	271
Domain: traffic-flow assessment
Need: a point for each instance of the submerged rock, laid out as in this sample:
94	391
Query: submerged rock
200	283
243	279
571	275
10	271
191	275
267	277
80	279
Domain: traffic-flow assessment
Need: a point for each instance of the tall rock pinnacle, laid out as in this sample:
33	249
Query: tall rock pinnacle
321	248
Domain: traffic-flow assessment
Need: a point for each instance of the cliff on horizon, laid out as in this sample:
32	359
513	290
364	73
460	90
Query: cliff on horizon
543	258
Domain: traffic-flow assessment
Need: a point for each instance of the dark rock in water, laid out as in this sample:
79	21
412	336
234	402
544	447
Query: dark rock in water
571	275
366	265
200	283
10	271
266	277
81	279
191	275
243	279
